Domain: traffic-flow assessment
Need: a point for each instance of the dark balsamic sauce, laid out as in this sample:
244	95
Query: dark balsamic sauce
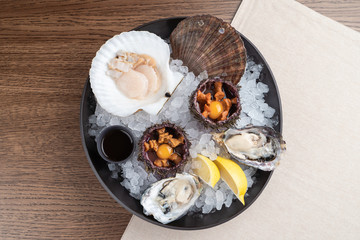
117	145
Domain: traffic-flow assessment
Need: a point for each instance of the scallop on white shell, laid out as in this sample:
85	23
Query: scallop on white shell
103	86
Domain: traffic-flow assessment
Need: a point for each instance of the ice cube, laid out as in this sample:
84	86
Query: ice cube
112	166
114	175
92	119
203	75
228	201
269	112
263	88
177	102
199	203
219	199
206	209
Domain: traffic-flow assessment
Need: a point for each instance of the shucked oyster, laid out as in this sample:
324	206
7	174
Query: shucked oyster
170	198
259	147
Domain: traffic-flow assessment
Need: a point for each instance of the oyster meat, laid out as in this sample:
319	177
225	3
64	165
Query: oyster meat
171	198
258	147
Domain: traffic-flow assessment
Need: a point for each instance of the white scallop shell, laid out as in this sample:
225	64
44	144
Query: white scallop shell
141	42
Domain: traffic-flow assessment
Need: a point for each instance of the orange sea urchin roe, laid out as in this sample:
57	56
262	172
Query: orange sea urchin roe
164	151
216	108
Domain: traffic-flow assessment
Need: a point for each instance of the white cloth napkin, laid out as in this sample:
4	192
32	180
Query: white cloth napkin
315	192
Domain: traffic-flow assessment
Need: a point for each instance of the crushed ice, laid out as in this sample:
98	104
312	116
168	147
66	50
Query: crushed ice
254	111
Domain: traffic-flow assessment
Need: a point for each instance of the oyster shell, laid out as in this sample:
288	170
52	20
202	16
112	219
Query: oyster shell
171	198
258	147
208	43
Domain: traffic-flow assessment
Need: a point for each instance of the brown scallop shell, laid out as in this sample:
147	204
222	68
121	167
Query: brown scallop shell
208	43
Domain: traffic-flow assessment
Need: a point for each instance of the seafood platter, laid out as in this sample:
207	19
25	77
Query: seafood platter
181	121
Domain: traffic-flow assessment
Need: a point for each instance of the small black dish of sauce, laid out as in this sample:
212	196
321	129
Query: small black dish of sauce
115	144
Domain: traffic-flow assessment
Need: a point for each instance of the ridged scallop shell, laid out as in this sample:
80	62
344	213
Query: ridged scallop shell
104	88
208	43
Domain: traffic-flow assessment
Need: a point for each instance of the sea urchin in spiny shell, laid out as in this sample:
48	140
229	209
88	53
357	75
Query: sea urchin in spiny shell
160	136
208	88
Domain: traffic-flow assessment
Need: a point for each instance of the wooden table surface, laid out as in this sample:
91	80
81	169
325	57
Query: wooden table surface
47	188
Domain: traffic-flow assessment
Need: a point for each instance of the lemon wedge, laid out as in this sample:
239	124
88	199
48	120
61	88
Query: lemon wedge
234	177
206	170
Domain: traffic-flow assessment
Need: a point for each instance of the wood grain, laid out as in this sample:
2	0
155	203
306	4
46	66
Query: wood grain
47	189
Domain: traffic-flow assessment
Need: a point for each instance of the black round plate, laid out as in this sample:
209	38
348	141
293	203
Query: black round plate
163	28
